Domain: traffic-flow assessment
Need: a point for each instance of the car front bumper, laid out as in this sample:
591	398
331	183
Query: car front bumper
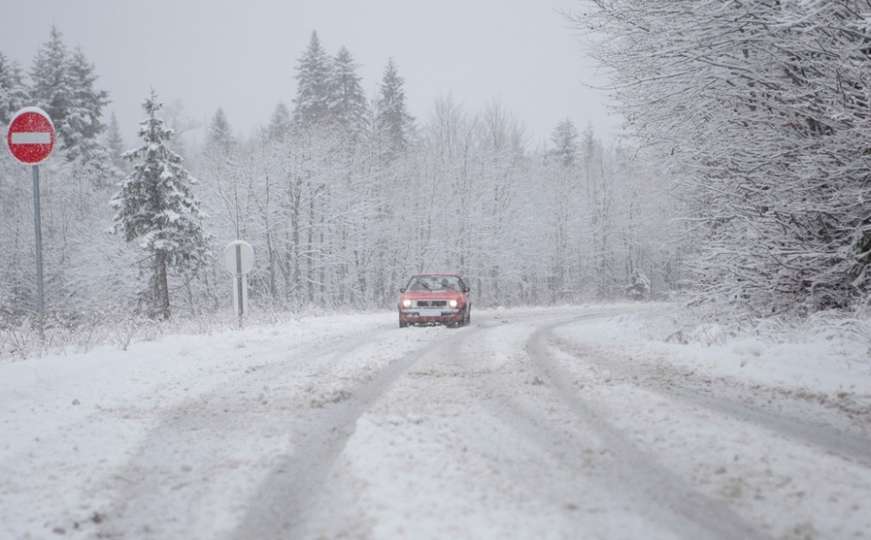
430	316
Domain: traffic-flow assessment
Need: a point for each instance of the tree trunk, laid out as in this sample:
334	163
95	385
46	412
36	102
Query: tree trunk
161	287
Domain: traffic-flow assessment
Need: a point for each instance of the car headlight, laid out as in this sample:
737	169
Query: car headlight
452	303
406	303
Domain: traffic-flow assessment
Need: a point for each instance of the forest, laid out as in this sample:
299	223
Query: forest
761	112
741	181
342	197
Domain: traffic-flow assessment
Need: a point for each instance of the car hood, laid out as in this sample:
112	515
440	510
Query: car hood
432	295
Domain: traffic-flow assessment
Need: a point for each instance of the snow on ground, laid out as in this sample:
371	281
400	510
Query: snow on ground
779	424
793	490
70	422
821	356
537	422
474	459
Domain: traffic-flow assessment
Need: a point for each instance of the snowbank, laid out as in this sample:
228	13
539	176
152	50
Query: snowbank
828	353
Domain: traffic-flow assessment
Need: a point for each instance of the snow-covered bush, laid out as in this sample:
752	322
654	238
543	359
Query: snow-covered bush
639	286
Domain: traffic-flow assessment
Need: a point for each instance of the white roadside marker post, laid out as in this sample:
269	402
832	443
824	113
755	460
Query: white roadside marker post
240	285
239	261
30	139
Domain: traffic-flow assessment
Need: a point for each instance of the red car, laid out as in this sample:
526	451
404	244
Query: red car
435	299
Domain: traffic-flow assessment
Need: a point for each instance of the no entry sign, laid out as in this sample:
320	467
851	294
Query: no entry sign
31	136
31	139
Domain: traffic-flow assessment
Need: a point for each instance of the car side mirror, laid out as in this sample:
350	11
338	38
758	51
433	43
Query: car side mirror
402	290
466	289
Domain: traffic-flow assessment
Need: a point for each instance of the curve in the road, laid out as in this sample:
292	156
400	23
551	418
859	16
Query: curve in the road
666	499
697	515
849	446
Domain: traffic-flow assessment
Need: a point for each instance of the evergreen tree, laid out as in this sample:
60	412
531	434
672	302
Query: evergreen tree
348	107
115	142
220	136
13	93
156	206
82	127
62	84
279	124
565	140
393	124
82	122
311	105
50	84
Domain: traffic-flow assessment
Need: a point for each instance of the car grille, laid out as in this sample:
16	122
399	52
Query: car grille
432	303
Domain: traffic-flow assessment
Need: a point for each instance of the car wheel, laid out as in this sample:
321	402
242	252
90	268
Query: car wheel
402	324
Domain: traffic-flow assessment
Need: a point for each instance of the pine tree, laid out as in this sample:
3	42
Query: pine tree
279	124
13	93
220	137
62	84
115	142
50	85
393	124
347	105
156	206
82	123
311	105
565	140
83	126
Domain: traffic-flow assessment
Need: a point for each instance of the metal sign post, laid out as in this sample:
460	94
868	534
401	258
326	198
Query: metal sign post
239	260
31	139
37	228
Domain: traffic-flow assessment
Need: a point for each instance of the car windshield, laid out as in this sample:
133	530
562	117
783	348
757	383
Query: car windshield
434	283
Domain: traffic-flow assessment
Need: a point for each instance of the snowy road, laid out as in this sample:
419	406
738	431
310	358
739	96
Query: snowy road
347	427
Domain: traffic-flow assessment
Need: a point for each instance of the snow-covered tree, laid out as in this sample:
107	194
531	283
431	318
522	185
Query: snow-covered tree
50	82
312	102
220	136
393	124
63	84
156	208
13	92
347	105
222	174
565	141
82	123
761	111
279	124
115	142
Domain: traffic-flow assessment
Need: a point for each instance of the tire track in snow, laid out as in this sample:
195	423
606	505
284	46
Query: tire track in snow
702	516
573	454
290	492
848	446
162	484
189	438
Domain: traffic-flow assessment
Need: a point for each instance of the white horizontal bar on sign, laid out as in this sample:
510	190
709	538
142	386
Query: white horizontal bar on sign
31	137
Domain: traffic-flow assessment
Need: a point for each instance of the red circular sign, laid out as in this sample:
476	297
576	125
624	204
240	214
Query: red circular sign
31	136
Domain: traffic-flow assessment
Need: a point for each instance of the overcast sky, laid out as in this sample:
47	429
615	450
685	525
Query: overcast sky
240	54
